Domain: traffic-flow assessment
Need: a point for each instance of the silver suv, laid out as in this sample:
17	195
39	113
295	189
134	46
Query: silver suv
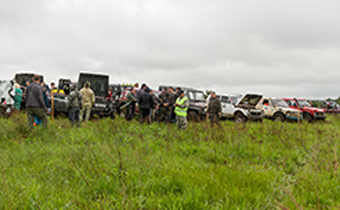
239	107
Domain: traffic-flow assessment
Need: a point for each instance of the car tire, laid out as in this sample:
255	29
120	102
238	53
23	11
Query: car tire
307	117
240	118
193	116
279	117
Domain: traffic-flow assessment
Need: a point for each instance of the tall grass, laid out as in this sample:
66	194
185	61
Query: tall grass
119	165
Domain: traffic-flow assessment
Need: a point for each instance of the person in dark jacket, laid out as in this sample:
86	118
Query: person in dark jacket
74	100
214	110
146	103
35	104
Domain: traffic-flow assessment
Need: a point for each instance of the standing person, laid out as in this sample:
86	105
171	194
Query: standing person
131	104
171	97
35	104
88	100
55	90
17	97
146	103
181	109
139	93
44	91
173	115
164	105
155	106
214	110
74	101
53	87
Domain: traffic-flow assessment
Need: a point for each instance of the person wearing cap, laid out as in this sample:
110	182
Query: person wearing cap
88	101
146	102
214	110
181	109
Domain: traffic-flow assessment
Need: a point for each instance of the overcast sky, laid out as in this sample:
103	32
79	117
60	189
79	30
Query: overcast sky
278	48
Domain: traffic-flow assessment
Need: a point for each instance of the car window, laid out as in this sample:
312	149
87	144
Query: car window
280	103
225	99
199	96
291	103
191	95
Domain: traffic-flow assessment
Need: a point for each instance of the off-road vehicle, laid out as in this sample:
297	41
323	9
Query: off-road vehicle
60	103
22	79
100	87
240	108
197	104
278	110
309	113
331	107
7	92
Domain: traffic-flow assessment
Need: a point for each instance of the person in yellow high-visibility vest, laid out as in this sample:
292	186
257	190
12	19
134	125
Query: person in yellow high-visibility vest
181	108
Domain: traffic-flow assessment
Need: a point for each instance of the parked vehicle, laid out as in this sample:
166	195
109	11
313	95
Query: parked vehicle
309	113
278	110
329	106
64	84
197	104
7	92
240	108
22	80
100	87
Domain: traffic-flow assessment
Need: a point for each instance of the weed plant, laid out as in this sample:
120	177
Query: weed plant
114	164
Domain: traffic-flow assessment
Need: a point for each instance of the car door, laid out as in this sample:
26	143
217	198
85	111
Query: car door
229	108
267	107
224	102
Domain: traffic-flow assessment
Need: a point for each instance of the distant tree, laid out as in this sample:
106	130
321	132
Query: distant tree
207	93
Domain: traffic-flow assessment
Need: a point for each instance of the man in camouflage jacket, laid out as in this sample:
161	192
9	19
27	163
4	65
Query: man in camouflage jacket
214	110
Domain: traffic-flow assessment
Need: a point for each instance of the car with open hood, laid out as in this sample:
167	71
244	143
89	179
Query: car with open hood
277	109
22	79
240	108
7	92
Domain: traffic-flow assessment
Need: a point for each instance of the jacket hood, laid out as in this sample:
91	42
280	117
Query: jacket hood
87	84
73	86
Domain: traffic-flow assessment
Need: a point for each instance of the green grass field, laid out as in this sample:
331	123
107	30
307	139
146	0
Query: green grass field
118	165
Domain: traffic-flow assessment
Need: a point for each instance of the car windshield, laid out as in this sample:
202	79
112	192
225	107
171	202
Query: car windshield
199	96
234	99
280	103
304	103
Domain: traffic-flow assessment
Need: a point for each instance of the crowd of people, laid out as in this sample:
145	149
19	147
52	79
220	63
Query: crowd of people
171	105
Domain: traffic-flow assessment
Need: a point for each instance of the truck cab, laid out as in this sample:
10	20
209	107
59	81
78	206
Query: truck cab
100	87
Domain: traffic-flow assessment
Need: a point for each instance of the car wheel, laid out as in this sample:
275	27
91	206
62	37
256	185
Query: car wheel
112	115
279	117
307	117
240	118
193	116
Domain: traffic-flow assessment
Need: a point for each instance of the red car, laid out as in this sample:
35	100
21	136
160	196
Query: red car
309	113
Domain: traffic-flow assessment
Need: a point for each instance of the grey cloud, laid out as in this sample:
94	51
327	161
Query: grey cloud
274	47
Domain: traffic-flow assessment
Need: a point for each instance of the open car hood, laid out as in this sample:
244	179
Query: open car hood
7	92
249	100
